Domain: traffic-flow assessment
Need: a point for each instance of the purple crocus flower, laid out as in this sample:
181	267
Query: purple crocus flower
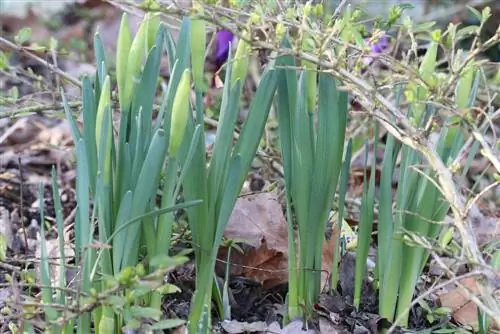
223	39
381	45
378	46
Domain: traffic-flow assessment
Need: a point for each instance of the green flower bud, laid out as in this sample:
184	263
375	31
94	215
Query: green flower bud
135	59
280	31
104	101
123	48
139	269
126	276
153	25
307	9
241	59
254	18
180	112
198	42
318	10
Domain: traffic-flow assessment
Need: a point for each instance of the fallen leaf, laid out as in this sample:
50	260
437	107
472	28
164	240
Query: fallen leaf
259	223
235	327
53	255
467	315
457	298
328	327
464	311
296	326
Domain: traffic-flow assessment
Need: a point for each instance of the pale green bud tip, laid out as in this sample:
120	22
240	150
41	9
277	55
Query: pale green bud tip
124	42
240	66
254	18
307	9
180	112
280	31
436	35
104	101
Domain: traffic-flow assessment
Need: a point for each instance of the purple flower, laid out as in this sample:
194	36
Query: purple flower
378	46
381	45
223	39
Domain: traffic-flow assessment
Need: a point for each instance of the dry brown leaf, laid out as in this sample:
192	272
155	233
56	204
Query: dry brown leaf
259	223
53	255
464	311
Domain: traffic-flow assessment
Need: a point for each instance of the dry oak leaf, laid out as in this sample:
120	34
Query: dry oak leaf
258	221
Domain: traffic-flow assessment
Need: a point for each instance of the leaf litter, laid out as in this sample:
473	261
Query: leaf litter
258	273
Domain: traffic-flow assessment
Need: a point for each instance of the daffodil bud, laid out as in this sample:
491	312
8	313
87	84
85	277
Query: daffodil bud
180	113
104	101
307	9
241	59
122	52
280	31
198	42
153	23
135	58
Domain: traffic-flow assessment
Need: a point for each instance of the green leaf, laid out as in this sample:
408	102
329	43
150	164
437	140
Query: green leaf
60	236
145	312
45	272
485	14
23	35
475	12
168	289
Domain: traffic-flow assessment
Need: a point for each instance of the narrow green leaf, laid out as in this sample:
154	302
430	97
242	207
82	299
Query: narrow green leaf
45	274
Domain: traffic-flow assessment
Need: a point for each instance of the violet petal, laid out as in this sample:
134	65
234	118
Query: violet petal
223	39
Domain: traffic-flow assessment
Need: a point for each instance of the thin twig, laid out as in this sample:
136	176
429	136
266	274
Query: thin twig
43	62
422	296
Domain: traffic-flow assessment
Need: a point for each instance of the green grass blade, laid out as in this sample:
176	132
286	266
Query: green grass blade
365	227
45	275
60	235
69	116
